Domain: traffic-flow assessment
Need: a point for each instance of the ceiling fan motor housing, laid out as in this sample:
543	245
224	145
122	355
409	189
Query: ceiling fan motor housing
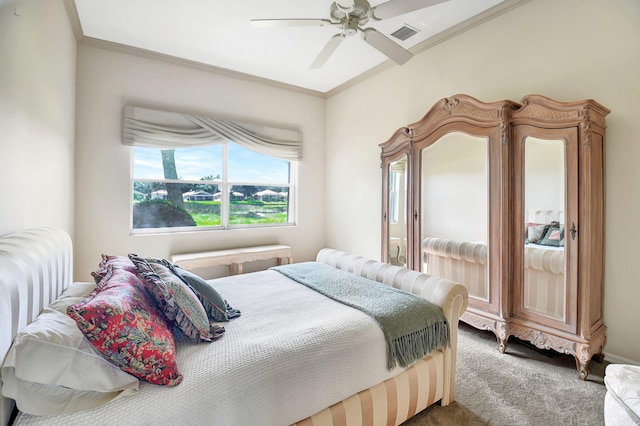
351	19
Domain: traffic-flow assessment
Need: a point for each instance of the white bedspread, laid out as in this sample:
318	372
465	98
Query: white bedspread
292	353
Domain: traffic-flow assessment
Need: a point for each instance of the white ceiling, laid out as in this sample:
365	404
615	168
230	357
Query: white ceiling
218	33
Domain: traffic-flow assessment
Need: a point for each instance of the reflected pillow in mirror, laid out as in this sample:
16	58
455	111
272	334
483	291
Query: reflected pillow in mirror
535	232
554	236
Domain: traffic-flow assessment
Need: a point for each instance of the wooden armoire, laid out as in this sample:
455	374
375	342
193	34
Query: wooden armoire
508	199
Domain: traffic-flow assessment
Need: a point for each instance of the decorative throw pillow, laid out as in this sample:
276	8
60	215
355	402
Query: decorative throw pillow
123	325
122	262
554	236
52	369
174	298
535	232
216	307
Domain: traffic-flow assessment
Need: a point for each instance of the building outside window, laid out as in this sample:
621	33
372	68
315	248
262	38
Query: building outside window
210	187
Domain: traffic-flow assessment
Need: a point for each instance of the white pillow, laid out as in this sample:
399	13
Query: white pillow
76	293
51	368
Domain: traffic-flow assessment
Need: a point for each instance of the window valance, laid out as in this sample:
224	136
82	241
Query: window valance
164	129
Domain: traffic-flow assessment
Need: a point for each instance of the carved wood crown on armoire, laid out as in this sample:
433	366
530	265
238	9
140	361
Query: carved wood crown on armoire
508	199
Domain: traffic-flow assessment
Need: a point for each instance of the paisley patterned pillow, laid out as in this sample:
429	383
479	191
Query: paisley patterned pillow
174	299
123	325
122	262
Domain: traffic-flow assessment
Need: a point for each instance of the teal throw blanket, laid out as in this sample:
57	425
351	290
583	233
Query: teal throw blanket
412	326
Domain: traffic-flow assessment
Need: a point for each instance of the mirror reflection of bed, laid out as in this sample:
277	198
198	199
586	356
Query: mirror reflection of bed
454	188
544	187
454	242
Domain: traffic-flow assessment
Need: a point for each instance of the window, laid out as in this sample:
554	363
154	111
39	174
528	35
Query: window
218	186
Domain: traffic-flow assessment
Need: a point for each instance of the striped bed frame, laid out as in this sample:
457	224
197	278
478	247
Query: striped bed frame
36	266
390	402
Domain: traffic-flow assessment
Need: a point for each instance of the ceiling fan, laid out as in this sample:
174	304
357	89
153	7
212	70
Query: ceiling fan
350	16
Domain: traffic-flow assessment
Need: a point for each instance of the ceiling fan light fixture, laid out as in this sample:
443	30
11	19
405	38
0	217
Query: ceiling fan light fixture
351	16
350	27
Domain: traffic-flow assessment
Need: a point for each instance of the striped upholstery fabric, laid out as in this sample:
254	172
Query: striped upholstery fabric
465	262
431	379
545	216
448	295
389	403
544	290
459	261
36	267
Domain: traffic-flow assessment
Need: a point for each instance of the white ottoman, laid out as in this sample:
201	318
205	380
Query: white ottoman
622	400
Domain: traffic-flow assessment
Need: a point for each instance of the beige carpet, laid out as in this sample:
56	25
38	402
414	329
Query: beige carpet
524	386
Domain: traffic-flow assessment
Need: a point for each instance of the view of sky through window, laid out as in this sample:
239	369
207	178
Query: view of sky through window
195	163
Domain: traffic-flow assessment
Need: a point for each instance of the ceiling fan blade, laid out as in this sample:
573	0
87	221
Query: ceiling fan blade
398	7
327	51
302	22
394	51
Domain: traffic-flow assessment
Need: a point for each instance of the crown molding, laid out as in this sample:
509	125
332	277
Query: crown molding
466	25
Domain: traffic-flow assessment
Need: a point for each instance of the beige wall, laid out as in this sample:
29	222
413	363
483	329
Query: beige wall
37	115
106	81
567	50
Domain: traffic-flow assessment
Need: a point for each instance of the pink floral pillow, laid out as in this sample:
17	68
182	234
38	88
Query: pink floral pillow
121	262
123	325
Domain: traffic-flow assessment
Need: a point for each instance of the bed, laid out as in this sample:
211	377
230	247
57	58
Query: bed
293	356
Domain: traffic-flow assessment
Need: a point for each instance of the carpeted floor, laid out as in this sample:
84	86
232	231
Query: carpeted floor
524	386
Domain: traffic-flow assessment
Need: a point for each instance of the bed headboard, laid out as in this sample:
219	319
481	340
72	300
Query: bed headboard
545	216
35	267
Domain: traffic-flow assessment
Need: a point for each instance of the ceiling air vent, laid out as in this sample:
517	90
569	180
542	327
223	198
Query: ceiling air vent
404	32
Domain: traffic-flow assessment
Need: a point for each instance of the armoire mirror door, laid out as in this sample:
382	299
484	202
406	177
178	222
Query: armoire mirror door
459	196
397	211
545	283
558	271
395	162
454	210
457	201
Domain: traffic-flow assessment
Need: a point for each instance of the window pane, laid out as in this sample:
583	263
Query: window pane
172	188
248	166
190	163
167	205
250	205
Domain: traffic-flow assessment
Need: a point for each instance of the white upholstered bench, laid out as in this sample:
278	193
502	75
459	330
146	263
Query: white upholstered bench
622	400
232	257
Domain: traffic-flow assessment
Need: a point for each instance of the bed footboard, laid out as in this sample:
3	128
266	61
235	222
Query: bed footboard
451	297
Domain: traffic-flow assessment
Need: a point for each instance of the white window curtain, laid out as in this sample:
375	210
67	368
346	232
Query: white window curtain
164	129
